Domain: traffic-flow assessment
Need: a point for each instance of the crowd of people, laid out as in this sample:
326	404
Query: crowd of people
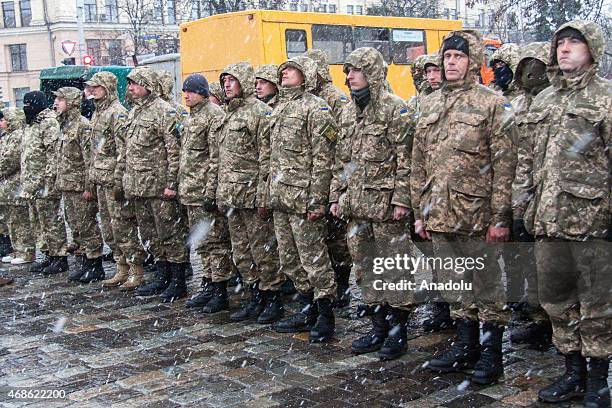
275	174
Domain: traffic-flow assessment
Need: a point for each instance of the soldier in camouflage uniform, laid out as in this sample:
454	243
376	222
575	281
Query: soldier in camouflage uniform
376	195
12	122
530	79
73	155
336	228
302	153
463	163
148	172
563	196
209	230
217	95
266	84
117	218
424	63
503	61
38	174
243	151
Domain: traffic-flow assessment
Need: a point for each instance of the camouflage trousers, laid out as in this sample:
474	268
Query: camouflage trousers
20	231
119	228
576	291
168	227
367	239
337	246
303	254
486	301
47	220
81	216
254	248
210	238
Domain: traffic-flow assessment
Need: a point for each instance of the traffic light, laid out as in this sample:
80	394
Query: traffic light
88	60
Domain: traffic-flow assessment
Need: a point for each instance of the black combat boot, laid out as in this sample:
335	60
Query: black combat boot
38	266
364	310
110	257
149	263
274	309
6	247
597	391
572	384
464	351
188	271
178	287
490	366
439	317
95	272
252	309
343	292
395	344
301	321
58	264
537	334
161	280
203	296
288	288
80	267
325	326
218	302
374	339
235	280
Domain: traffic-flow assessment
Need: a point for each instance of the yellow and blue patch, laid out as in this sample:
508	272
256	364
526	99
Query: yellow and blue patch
403	112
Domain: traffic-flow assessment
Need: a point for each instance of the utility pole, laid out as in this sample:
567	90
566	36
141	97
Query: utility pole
82	46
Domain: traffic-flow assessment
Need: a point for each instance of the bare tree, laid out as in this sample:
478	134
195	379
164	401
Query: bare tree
405	8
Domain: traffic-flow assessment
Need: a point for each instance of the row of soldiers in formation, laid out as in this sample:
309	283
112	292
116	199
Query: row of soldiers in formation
279	175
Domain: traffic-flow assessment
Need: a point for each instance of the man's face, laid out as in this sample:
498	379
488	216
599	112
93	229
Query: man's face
137	91
232	87
3	124
356	79
573	55
291	76
192	98
215	100
60	105
455	65
264	88
434	76
98	92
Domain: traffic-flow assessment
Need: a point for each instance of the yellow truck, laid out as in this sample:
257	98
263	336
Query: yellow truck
271	37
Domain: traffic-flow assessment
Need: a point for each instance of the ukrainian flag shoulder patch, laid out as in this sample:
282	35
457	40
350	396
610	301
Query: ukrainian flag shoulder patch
403	112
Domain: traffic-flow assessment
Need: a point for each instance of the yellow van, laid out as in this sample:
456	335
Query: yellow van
271	37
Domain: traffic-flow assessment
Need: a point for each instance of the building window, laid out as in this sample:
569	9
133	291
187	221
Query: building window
111	11
115	52
94	49
358	9
167	46
303	7
8	12
26	12
293	7
332	8
19	94
171	12
158	11
349	9
19	60
90	11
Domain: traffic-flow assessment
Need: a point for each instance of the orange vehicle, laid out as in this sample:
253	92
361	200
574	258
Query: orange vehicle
490	46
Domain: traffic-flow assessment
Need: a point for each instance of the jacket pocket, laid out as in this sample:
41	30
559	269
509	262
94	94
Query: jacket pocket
469	207
467	129
582	209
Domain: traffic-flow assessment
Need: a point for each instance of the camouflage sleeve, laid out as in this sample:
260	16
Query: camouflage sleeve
401	132
503	163
171	135
522	186
119	128
263	143
323	133
85	134
213	162
418	175
342	156
50	136
11	155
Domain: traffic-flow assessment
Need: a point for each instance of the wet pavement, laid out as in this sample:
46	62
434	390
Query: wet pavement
97	347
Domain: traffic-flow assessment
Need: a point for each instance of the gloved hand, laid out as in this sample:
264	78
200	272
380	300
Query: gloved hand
209	204
519	232
118	194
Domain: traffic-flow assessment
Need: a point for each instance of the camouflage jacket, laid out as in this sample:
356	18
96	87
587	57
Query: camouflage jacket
38	161
73	150
199	131
243	147
10	152
302	139
374	176
108	132
562	188
463	158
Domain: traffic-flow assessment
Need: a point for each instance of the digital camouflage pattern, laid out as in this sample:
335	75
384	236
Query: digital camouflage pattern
302	138
117	220
417	71
463	158
375	175
563	181
166	92
269	72
217	91
74	160
538	51
508	53
10	157
425	88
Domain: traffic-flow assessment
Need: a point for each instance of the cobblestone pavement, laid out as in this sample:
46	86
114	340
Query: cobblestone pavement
104	347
